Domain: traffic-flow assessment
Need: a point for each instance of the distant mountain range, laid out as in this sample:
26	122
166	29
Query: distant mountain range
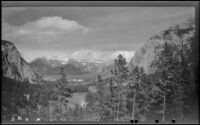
14	66
46	66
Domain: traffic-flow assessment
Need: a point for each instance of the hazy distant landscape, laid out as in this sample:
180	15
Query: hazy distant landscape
99	64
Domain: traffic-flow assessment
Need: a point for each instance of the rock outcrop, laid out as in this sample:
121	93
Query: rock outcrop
14	66
183	32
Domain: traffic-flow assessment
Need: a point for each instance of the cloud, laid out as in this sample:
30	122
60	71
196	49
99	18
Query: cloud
43	29
50	25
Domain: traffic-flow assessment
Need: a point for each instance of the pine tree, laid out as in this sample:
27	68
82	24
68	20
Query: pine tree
61	91
164	64
110	104
183	76
174	67
138	94
93	106
63	76
120	73
101	96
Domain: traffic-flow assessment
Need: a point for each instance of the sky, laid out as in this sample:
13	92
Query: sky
90	33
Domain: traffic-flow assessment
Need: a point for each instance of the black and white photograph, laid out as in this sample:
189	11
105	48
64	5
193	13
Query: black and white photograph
98	62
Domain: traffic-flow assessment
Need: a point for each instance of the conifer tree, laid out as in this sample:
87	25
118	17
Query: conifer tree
138	94
175	75
120	73
101	96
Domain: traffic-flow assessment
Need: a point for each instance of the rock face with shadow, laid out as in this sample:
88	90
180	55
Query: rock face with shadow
183	32
14	66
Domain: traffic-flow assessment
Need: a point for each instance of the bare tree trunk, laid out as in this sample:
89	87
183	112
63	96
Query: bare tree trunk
118	107
133	113
164	106
99	109
59	107
48	111
118	97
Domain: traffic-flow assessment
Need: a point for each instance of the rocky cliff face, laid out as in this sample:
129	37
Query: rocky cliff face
183	32
14	66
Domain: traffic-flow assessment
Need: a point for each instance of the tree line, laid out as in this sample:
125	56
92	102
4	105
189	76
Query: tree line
167	93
